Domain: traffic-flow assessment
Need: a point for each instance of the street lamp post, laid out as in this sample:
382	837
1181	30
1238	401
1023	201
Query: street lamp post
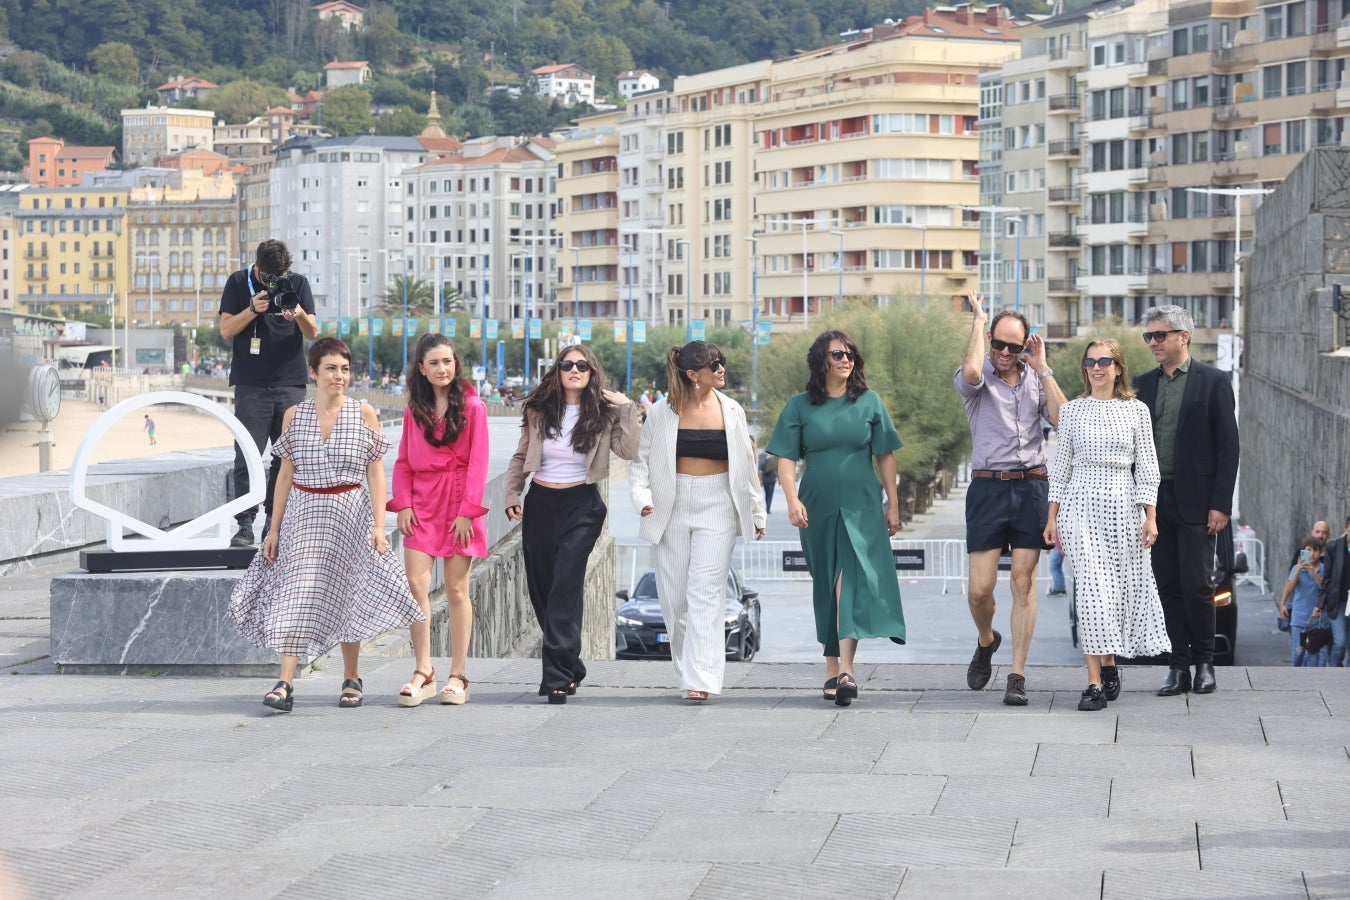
403	373
688	288
576	292
754	322
151	263
805	225
546	239
628	329
1237	193
994	212
923	259
839	234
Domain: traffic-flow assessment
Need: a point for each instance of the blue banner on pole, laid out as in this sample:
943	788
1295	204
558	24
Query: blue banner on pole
346	325
536	329
698	330
411	326
448	327
378	326
765	329
492	329
639	332
584	329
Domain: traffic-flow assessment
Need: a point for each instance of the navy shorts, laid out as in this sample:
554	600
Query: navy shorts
1003	515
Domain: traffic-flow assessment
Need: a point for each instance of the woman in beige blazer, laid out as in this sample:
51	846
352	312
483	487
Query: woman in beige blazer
696	485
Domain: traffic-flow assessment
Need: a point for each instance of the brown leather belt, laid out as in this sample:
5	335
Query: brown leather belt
1036	474
339	489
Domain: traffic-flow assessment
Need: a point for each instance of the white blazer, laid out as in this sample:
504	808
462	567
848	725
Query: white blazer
651	474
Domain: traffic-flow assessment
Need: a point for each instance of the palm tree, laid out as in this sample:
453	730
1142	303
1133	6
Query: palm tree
421	298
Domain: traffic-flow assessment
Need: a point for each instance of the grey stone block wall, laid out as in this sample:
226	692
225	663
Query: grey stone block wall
1295	389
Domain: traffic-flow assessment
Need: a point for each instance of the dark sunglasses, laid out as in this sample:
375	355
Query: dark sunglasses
1100	362
580	365
1014	349
715	364
1152	336
837	355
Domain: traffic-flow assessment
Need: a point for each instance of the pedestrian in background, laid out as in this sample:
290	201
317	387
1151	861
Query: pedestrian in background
840	429
439	479
768	477
570	426
1103	511
1303	586
325	574
695	483
149	429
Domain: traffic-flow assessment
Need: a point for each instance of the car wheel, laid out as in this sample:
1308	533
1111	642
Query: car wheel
748	648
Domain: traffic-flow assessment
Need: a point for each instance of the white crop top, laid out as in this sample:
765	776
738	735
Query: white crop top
559	463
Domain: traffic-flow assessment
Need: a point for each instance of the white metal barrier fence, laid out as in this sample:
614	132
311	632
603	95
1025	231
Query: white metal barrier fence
1244	542
920	560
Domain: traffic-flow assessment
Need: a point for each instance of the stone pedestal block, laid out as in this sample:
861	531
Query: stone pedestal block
173	623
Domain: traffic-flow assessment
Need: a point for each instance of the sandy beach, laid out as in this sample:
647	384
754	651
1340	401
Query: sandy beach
177	428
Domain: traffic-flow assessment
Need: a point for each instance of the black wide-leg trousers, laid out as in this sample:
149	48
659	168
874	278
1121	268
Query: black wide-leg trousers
559	528
1183	560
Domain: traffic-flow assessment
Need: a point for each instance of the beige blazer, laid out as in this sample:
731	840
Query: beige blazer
622	443
651	474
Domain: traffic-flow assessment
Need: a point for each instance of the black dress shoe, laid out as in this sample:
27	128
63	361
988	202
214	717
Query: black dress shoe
1111	683
1178	682
1204	678
244	536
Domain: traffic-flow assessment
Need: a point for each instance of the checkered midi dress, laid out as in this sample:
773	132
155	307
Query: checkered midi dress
328	584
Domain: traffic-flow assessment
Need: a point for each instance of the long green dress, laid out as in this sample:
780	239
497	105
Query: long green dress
847	531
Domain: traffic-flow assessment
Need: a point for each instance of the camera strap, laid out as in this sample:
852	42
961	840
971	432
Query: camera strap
255	344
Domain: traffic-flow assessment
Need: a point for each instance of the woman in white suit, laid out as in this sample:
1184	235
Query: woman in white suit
696	484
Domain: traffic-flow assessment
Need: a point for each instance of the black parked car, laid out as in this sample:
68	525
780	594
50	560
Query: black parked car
640	628
1227	566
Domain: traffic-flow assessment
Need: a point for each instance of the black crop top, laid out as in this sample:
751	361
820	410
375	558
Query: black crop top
701	443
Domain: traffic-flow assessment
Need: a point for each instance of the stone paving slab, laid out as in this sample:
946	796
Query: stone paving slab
150	787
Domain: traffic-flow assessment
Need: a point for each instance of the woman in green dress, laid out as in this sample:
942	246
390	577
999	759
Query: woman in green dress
837	427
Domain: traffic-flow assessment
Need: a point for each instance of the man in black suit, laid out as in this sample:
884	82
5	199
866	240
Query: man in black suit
1335	587
1195	431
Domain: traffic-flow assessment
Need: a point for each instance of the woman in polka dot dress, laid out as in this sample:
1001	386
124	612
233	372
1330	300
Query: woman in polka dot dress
1103	490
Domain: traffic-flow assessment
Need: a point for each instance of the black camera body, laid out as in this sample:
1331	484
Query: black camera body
283	293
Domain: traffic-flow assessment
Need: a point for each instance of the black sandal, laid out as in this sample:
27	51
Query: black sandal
827	692
351	696
846	690
558	696
275	700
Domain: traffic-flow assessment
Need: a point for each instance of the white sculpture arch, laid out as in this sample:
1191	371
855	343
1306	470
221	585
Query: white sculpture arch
190	535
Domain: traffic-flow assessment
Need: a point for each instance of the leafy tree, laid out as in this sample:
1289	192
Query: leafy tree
421	296
115	60
393	92
402	121
382	36
346	110
239	101
469	122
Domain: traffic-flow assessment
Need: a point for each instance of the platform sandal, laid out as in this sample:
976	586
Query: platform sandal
411	696
451	696
351	696
275	700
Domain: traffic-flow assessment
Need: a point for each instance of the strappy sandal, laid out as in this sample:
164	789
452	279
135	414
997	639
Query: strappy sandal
275	700
696	696
827	692
351	696
411	696
453	697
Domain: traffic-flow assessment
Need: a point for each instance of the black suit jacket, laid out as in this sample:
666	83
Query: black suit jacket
1336	579
1204	470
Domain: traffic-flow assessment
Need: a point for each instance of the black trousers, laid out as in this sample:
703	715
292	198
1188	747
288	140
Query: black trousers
559	528
260	410
1183	560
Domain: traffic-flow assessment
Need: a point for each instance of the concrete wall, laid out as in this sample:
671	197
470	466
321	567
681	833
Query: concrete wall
1295	390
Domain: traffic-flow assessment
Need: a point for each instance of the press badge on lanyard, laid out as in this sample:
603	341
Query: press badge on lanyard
255	346
255	342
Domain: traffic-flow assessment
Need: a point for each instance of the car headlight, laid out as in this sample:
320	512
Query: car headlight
626	622
731	620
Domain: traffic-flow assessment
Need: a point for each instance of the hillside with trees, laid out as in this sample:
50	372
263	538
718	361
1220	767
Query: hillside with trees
98	56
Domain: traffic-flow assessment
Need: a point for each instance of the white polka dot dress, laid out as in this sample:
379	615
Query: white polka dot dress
1104	471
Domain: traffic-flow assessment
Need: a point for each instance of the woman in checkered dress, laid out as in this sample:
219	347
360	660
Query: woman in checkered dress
325	574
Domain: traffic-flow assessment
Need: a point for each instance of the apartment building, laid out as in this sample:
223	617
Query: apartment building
479	221
155	131
587	171
10	197
335	198
838	172
1163	123
71	250
181	244
53	164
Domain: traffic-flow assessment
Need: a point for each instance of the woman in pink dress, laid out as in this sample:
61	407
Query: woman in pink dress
438	495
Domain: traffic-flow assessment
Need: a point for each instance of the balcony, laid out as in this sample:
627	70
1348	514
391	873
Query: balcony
1065	104
1224	223
1149	177
1141	121
1136	225
1136	280
1226	59
1069	148
1157	68
1062	286
1234	114
654	187
1064	196
1061	331
1065	239
1067	58
654	153
1232	171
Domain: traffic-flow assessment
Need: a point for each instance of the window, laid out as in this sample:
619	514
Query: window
1181	42
1272	81
1274	18
1180	94
1296	78
1295	137
1200	39
1200	91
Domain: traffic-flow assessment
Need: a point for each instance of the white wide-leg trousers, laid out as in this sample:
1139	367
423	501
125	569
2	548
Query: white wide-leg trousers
692	559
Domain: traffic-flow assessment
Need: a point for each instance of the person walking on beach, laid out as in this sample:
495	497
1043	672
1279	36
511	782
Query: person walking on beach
149	429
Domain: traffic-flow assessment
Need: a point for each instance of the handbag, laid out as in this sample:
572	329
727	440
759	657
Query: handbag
1315	638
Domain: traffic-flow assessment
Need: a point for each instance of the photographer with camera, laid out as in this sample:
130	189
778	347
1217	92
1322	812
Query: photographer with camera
267	313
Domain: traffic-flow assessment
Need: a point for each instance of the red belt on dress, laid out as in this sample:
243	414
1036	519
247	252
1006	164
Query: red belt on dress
340	489
1036	474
